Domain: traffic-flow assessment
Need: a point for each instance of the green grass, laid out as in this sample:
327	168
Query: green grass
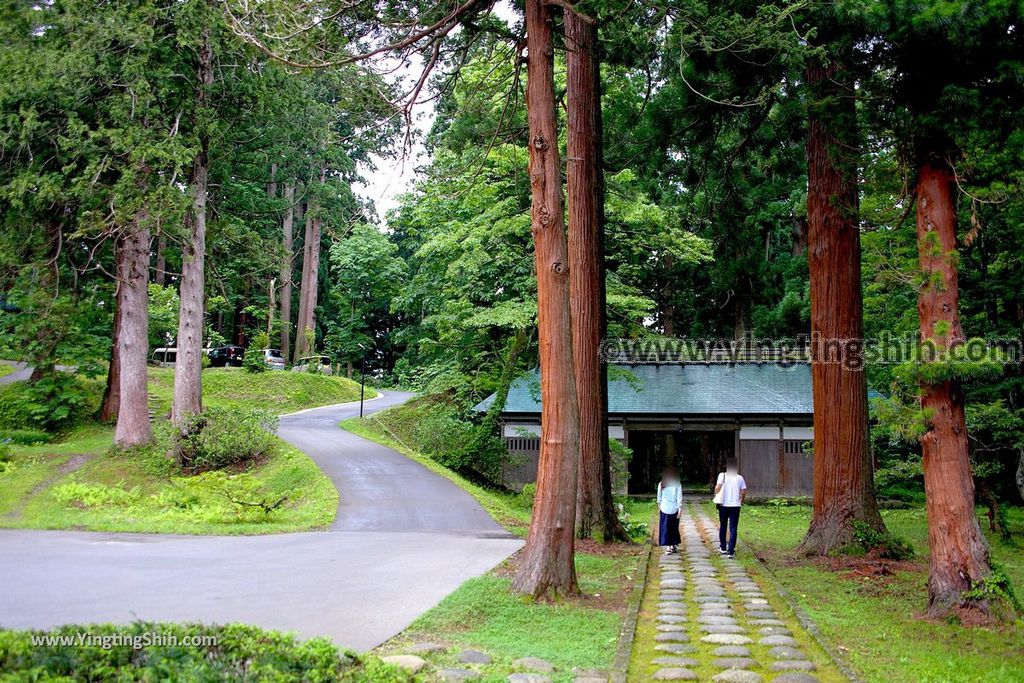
877	623
276	391
485	615
510	510
5	369
141	492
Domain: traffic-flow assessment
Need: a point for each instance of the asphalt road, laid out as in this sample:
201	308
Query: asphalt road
403	539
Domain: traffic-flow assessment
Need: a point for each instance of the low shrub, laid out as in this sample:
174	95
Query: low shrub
881	543
84	495
54	403
5	456
25	437
145	651
221	437
253	358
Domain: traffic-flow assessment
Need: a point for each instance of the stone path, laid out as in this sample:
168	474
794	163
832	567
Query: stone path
435	662
712	621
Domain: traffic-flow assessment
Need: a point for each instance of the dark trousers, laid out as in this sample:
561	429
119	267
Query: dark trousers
728	517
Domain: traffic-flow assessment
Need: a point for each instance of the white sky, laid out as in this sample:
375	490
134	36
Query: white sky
392	177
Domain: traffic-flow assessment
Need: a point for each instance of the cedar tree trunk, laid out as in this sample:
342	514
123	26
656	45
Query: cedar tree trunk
160	271
306	321
843	477
547	565
286	271
189	364
595	510
959	553
112	392
133	428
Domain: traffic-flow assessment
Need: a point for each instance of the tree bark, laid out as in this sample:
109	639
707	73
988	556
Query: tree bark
305	324
133	428
843	476
286	270
547	564
959	552
189	364
595	509
112	392
160	271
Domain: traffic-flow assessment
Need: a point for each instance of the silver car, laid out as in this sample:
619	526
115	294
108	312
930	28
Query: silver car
322	364
273	359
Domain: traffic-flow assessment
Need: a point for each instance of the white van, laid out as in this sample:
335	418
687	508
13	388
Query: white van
166	357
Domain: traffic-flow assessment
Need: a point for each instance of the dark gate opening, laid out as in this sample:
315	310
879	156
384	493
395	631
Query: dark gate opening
698	456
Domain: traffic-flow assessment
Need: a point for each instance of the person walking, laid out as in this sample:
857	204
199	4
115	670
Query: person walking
730	490
670	498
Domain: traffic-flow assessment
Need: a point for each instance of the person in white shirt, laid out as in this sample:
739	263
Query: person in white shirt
730	490
670	498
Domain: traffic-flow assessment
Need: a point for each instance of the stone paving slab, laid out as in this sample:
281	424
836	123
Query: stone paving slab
713	621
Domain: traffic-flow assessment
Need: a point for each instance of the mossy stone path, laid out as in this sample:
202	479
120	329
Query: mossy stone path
704	617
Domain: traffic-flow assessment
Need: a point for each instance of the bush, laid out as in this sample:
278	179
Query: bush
221	437
54	403
881	543
184	652
253	358
25	437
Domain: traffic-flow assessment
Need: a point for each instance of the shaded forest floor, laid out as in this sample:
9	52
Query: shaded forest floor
871	611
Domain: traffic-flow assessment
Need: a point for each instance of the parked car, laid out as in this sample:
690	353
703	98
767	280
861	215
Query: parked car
164	357
273	359
324	363
227	356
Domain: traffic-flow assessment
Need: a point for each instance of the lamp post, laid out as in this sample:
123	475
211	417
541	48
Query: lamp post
362	379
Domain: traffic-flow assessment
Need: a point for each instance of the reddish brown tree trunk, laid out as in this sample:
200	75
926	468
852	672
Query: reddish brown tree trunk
305	324
959	553
843	477
188	387
595	510
133	428
547	566
286	271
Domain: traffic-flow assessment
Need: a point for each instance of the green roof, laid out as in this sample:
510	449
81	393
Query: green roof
687	389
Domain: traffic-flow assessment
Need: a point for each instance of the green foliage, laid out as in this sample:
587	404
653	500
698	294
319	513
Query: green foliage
221	437
253	360
147	651
996	590
163	315
25	437
56	402
881	543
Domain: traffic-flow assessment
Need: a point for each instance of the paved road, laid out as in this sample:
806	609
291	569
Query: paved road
404	538
21	371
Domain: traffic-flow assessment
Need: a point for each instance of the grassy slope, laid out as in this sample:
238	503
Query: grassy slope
143	495
876	622
5	369
484	614
159	502
280	392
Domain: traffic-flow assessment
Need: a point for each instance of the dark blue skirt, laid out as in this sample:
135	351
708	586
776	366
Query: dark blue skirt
668	530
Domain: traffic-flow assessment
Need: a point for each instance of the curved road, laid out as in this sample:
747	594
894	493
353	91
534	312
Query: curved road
404	538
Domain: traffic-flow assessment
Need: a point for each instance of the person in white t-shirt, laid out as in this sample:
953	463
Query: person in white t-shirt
730	490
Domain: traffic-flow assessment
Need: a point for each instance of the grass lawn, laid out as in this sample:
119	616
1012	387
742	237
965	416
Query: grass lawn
5	369
871	613
483	614
277	391
80	483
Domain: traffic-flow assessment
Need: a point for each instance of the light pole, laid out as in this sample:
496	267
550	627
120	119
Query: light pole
362	379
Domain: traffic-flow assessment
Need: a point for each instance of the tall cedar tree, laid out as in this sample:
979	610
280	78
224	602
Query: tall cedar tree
547	565
843	478
132	339
595	510
188	389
